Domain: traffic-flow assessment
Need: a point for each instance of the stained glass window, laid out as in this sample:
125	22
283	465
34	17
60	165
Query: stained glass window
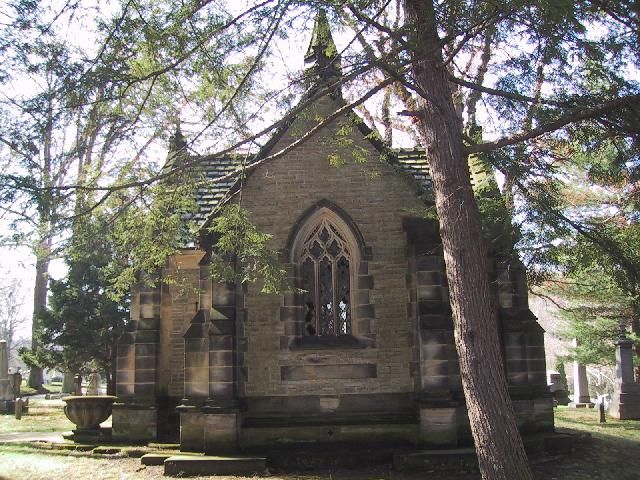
326	280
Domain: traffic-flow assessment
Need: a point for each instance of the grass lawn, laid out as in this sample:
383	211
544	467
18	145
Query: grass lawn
43	416
614	454
53	387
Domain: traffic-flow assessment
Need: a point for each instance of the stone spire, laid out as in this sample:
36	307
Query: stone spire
177	141
177	148
322	61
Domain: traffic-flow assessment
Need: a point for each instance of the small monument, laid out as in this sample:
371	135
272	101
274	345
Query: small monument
7	395
68	384
77	384
93	387
625	404
581	398
16	382
558	389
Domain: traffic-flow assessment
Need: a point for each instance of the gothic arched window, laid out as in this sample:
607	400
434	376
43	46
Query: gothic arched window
326	258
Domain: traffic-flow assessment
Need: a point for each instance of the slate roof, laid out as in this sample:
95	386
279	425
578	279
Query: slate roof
412	161
211	194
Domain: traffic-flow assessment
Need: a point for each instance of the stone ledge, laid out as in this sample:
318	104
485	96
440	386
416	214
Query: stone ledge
184	465
156	459
459	459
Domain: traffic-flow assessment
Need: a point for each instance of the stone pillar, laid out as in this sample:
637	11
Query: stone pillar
625	404
581	396
196	359
136	418
580	384
67	383
7	397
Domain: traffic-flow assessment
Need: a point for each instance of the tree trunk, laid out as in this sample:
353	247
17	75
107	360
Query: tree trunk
43	249
39	304
635	329
498	443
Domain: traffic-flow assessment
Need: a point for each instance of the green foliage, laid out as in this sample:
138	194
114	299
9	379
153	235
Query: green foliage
147	230
79	329
595	308
241	253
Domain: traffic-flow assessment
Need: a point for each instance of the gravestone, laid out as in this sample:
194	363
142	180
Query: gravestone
68	385
77	382
581	398
16	382
558	389
7	396
625	404
93	386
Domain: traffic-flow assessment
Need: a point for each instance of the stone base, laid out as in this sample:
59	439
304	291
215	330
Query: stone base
258	437
534	412
561	397
625	406
439	426
202	465
8	407
207	429
92	436
134	422
581	405
455	460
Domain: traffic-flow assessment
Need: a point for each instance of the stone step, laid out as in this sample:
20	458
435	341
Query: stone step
186	465
453	460
265	437
158	458
155	458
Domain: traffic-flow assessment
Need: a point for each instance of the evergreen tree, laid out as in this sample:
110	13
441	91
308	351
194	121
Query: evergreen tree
565	86
79	329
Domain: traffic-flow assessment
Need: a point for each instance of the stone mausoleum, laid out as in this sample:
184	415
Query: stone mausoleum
365	354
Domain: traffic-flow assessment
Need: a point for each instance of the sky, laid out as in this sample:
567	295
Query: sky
19	263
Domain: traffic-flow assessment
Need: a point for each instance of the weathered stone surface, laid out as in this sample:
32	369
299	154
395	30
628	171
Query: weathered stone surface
457	460
207	465
7	395
438	426
625	404
221	344
325	372
134	422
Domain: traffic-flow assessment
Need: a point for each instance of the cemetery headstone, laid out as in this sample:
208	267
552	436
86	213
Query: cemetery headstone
625	404
558	389
93	387
68	385
581	398
7	396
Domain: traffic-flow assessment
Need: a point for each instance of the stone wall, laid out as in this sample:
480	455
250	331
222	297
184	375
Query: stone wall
376	198
180	302
397	375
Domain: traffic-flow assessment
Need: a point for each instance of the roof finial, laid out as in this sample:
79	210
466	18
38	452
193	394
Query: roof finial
177	141
322	60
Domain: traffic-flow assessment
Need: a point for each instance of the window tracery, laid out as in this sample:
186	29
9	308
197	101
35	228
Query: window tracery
326	259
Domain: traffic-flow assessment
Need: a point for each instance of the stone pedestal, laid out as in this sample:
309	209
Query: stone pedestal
625	404
581	398
212	430
7	396
134	422
438	426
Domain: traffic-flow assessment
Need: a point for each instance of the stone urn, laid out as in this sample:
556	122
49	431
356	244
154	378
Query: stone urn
87	413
